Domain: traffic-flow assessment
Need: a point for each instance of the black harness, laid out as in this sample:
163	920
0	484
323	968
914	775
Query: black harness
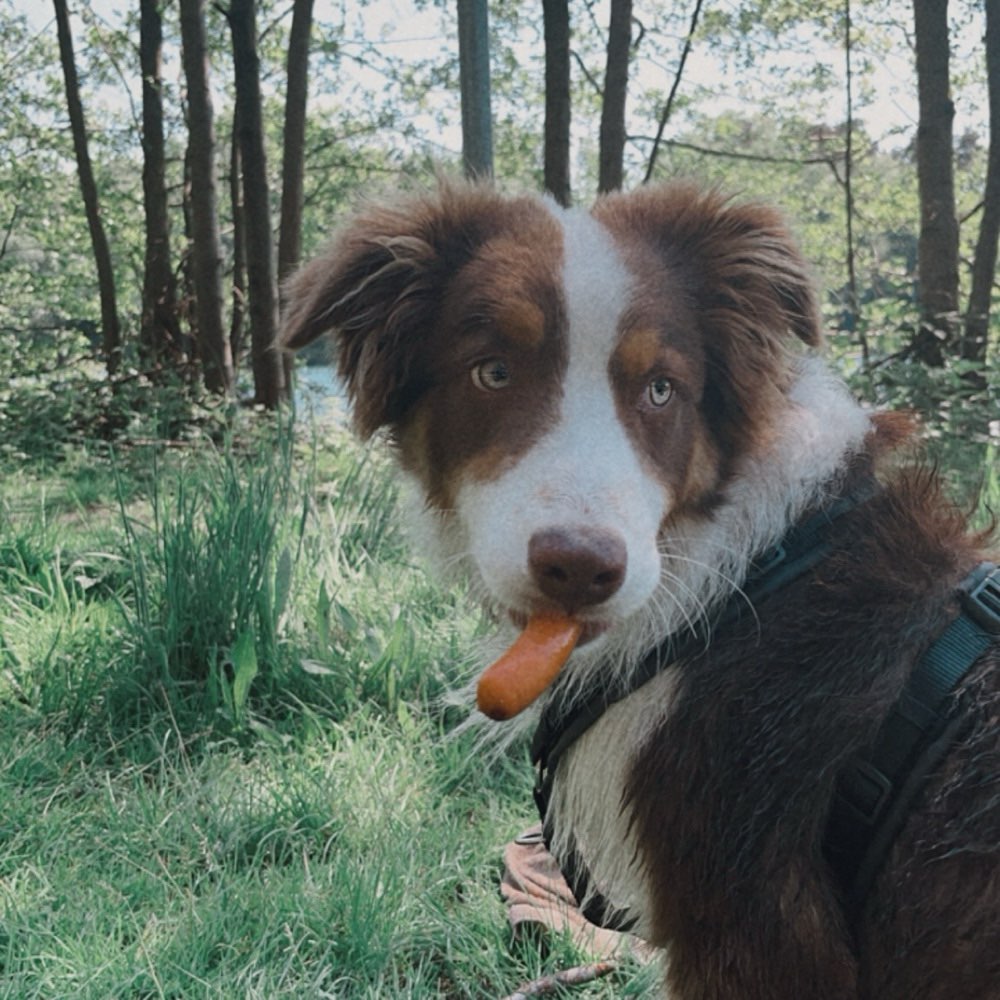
876	789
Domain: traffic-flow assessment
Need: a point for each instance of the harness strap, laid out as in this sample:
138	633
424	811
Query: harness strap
876	789
805	545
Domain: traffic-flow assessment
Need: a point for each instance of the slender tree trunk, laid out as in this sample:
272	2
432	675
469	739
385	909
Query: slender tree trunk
555	14
237	321
110	328
852	275
159	330
262	284
188	297
612	143
669	106
976	334
293	160
474	71
217	359
293	150
938	242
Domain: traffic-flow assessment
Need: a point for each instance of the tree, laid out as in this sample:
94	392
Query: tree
786	142
293	148
474	74
206	252
976	333
612	143
110	328
159	331
268	370
938	245
238	312
555	14
294	139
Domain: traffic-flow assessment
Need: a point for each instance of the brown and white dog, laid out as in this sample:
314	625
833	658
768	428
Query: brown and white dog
611	414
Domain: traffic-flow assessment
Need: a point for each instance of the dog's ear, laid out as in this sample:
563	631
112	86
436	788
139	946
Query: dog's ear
743	265
378	287
758	281
750	289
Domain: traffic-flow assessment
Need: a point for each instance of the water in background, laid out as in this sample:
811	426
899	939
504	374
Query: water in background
319	393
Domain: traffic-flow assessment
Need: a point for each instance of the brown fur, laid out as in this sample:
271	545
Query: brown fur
419	289
743	772
748	285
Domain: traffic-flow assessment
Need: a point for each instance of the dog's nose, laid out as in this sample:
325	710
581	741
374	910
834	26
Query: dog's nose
579	568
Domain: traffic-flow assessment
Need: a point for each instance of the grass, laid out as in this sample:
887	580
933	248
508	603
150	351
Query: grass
226	768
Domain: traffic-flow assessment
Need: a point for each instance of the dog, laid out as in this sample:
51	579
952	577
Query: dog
620	416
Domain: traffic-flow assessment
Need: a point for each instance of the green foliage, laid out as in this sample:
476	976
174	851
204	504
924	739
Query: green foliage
226	772
957	406
384	111
211	572
72	407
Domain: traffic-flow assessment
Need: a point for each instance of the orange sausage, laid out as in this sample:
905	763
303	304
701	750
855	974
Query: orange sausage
513	682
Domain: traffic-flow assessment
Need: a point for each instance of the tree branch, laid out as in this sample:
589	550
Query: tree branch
10	230
668	107
577	976
795	161
598	89
975	210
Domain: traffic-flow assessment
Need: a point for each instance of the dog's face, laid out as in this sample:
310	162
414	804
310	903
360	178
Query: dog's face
564	386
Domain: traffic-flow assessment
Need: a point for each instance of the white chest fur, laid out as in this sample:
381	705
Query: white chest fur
587	811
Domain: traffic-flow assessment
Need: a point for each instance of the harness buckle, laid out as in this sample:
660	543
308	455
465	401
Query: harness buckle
980	596
866	791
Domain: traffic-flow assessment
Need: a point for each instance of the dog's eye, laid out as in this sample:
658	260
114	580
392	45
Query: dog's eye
659	391
491	375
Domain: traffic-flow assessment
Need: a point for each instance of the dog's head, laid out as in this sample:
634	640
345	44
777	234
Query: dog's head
563	385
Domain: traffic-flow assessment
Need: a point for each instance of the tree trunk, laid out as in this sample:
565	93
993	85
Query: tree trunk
293	149
268	371
110	328
237	320
217	359
474	73
557	99
293	161
159	330
612	144
188	297
938	242
848	182
976	334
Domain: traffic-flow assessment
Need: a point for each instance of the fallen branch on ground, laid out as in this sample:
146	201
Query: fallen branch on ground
576	976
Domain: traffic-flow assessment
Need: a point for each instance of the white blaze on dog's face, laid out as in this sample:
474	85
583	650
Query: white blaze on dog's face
573	521
544	373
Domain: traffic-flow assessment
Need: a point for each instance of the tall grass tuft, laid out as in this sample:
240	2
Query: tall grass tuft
212	573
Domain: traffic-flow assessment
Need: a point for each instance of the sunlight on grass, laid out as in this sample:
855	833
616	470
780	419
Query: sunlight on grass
227	770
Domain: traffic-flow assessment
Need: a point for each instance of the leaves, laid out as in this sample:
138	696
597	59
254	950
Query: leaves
243	657
763	81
